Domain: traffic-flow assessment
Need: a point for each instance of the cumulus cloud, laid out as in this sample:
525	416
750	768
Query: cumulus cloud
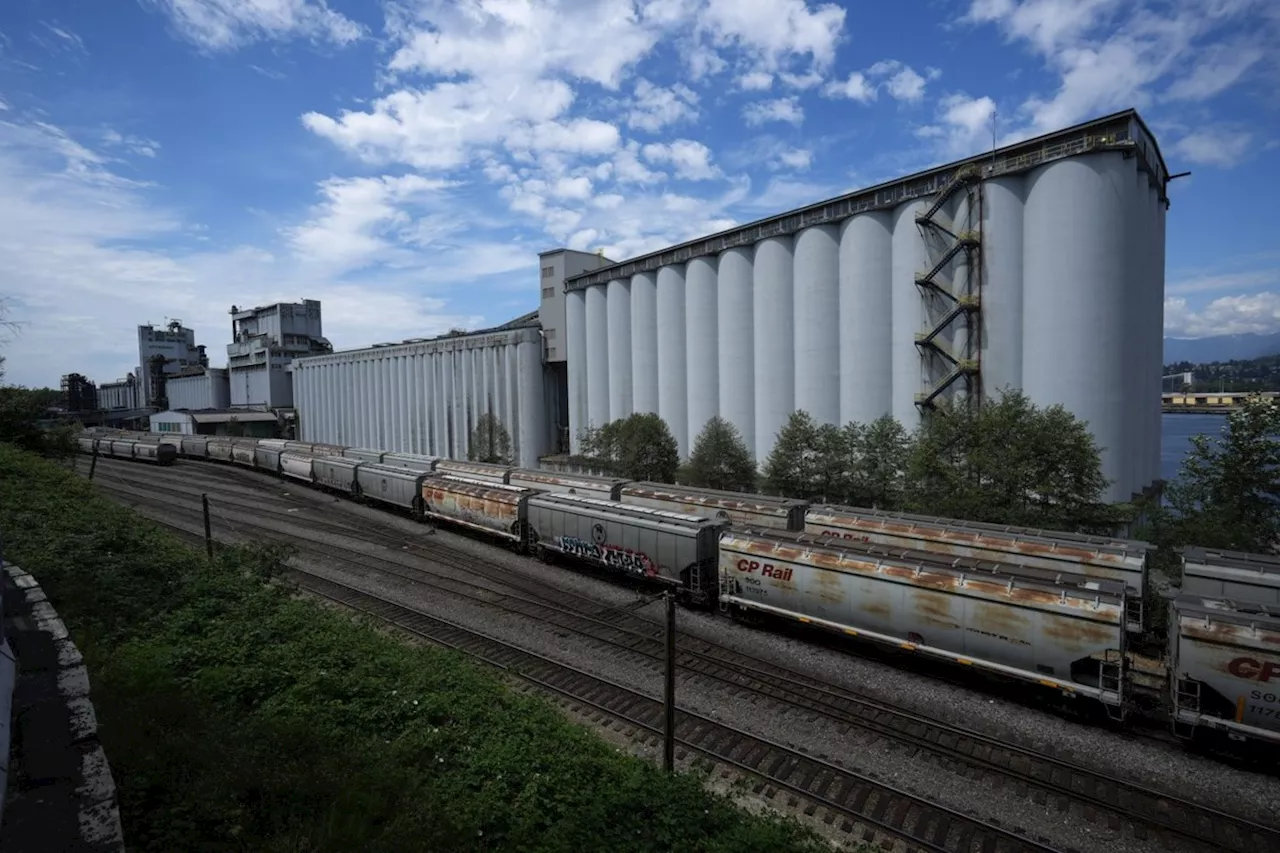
779	109
1257	313
855	87
962	125
901	81
691	160
219	25
655	107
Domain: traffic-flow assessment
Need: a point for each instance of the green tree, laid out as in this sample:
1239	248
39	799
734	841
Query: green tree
490	441
720	459
1009	462
1227	494
834	463
882	448
792	466
639	447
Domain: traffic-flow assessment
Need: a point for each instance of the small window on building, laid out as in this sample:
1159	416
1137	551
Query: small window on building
548	272
548	292
551	352
551	334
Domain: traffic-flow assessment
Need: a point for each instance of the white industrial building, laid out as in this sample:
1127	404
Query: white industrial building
121	394
246	422
426	396
1039	267
264	340
166	351
203	388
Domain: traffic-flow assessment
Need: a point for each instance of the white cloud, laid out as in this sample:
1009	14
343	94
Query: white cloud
691	160
63	39
755	81
216	25
578	188
780	109
1208	282
962	125
1257	313
139	145
88	255
1223	147
801	81
626	167
773	34
901	81
856	87
797	158
655	107
1111	55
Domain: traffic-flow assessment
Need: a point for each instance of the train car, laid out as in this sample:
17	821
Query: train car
411	461
242	451
738	507
633	540
1053	629
274	443
475	470
363	454
491	507
336	472
1233	575
388	484
1093	556
327	449
87	444
296	465
220	448
300	447
154	453
122	448
266	458
195	446
1224	663
604	488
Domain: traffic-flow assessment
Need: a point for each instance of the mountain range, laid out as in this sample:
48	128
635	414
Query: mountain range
1220	348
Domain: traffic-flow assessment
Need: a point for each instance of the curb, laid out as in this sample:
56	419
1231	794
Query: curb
59	768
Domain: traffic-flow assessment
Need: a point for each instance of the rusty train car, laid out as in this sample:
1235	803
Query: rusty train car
1061	611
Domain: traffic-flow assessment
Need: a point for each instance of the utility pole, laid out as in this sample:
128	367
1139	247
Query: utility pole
669	730
208	529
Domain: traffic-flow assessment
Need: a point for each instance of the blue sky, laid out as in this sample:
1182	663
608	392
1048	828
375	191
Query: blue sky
404	161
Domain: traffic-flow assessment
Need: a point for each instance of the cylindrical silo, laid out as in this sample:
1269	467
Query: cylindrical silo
866	311
1001	286
517	393
597	356
672	361
774	321
644	342
736	348
1157	329
575	322
532	431
1153	323
1134	339
957	334
909	259
620	375
1074	270
702	343
817	323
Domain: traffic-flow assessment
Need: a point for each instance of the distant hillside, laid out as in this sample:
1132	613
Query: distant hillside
1254	374
1220	348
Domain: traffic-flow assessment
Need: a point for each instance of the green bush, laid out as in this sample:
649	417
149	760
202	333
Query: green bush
236	717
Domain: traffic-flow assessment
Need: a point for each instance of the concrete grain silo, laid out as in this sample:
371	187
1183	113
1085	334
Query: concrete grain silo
1039	267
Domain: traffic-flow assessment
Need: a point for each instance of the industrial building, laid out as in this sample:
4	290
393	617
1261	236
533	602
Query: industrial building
121	394
248	423
163	353
200	388
264	340
427	395
1038	266
78	393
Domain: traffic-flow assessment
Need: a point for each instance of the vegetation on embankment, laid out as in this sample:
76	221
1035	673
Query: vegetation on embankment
236	717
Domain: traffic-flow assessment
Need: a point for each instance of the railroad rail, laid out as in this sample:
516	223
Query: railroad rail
1046	777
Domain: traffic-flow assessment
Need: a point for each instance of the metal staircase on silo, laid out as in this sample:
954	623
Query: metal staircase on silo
944	244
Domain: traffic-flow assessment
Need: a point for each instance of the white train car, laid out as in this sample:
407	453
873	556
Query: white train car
737	507
1234	575
1224	662
1060	631
586	485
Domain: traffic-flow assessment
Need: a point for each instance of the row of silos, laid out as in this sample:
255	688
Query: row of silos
1070	284
426	397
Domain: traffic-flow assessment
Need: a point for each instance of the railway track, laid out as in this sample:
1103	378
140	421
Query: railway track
1093	796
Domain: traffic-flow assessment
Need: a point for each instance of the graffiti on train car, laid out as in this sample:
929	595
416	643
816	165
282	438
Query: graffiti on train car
1253	669
623	559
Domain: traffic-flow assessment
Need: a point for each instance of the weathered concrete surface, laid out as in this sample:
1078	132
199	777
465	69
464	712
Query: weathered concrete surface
60	795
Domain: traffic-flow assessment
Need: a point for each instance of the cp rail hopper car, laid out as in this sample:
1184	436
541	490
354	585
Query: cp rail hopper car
736	507
489	507
1232	575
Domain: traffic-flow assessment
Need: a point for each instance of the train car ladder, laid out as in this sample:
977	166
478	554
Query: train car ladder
1111	680
1186	698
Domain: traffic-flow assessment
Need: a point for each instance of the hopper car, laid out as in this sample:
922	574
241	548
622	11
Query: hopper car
1061	611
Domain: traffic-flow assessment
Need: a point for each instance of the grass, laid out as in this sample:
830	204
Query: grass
237	717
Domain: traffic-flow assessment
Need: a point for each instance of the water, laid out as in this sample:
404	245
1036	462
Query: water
1175	439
